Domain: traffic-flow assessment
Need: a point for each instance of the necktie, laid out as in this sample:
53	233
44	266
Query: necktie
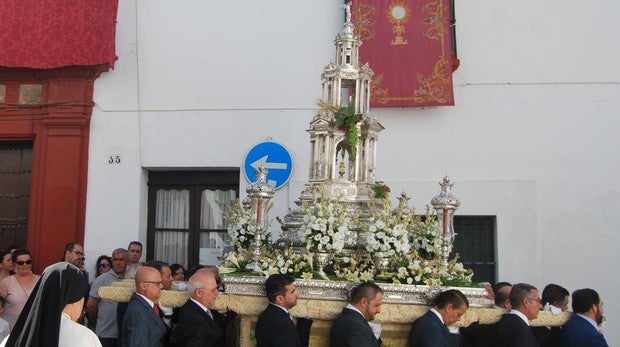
156	309
210	314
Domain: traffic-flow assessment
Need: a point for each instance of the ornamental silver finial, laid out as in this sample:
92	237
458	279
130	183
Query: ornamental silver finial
446	199
260	187
347	10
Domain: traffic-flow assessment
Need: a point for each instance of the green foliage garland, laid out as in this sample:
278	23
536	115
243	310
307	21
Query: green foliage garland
346	119
381	191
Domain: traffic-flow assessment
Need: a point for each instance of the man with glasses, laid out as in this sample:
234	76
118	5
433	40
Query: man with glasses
196	326
513	329
166	281
101	313
142	324
74	254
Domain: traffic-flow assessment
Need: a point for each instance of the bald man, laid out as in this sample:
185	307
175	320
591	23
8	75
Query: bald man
196	324
142	324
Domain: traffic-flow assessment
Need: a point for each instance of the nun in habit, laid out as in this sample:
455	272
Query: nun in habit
50	314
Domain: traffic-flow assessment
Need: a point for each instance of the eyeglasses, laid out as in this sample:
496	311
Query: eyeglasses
212	290
159	283
22	262
535	299
104	265
78	253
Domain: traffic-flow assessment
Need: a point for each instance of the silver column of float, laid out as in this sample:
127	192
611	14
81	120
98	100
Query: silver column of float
259	193
445	204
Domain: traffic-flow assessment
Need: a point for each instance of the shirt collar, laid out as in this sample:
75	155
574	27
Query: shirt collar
282	308
147	300
520	315
113	273
203	307
351	307
437	314
590	320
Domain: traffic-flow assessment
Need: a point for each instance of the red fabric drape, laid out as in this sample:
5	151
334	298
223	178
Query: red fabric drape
408	46
46	34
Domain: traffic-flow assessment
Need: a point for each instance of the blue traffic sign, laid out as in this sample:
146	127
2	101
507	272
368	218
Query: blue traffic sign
275	158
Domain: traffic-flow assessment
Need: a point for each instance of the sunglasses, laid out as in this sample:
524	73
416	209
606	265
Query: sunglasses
104	265
22	262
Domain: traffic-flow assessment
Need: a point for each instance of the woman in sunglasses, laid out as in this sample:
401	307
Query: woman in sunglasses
104	264
16	289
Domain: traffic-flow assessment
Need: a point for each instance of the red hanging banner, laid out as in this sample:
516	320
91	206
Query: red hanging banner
44	34
408	46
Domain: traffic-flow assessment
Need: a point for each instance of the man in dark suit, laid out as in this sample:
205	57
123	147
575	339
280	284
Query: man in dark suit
513	329
196	326
142	325
431	330
351	328
583	328
275	327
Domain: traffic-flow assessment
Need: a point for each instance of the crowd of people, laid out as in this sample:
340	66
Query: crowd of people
524	302
61	308
49	309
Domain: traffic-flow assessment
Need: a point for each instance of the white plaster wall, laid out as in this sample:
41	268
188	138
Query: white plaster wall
531	139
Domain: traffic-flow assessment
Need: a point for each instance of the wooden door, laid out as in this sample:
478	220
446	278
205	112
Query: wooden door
15	176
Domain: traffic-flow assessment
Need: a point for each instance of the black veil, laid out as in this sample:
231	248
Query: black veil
39	322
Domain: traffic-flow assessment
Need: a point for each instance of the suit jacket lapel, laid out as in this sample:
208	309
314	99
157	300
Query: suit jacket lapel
438	321
280	312
157	319
203	314
363	321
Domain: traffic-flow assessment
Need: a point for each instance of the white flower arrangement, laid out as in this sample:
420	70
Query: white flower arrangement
424	236
354	269
413	243
272	261
287	262
433	272
242	225
387	232
325	225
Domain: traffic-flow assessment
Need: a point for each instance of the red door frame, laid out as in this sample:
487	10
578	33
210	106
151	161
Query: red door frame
58	123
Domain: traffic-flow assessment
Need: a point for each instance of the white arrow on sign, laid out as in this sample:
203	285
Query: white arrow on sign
263	162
